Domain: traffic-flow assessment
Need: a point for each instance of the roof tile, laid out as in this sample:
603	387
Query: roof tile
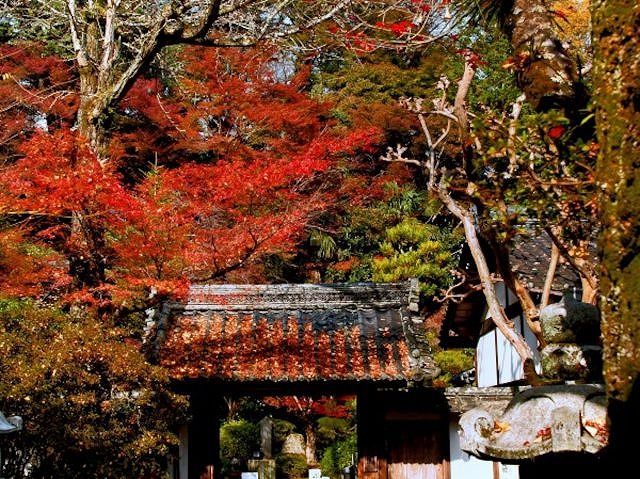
358	332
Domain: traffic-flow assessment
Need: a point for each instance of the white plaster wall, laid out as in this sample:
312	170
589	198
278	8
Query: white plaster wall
508	471
464	465
497	362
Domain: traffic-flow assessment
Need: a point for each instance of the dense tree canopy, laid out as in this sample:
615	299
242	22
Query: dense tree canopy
90	403
222	167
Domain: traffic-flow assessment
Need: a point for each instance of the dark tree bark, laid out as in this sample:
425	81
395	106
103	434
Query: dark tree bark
617	99
545	71
548	75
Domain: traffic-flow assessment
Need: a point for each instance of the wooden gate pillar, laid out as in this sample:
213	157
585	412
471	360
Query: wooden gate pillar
372	461
204	437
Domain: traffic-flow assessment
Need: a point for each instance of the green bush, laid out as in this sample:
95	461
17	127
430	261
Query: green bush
281	429
453	362
238	439
338	456
291	466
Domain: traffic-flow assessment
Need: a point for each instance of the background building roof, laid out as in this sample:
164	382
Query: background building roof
529	257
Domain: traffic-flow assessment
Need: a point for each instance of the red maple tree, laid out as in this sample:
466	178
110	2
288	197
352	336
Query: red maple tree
207	175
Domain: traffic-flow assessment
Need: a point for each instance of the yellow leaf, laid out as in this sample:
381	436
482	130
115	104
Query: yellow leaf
499	427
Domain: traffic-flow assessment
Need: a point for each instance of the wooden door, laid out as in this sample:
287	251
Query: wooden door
417	450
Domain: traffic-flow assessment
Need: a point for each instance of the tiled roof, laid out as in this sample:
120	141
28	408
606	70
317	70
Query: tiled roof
303	332
530	258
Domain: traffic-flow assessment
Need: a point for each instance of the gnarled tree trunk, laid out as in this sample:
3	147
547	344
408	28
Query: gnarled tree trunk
546	73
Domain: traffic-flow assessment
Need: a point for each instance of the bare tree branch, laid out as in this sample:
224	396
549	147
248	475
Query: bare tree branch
497	313
551	271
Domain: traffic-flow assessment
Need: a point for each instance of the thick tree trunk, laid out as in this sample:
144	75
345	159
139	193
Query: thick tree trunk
92	116
95	50
617	100
546	74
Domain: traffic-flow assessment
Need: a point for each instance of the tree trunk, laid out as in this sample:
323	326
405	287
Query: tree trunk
92	116
95	51
546	74
464	214
529	309
617	100
617	95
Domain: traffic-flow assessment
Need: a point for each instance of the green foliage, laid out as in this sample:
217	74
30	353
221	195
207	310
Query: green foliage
337	441
544	173
331	428
238	439
324	243
413	249
394	239
453	362
339	455
381	78
366	245
92	406
366	90
538	167
291	466
7	29
495	87
281	429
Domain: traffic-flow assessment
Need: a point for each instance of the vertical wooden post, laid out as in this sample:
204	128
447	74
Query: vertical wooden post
372	461
204	436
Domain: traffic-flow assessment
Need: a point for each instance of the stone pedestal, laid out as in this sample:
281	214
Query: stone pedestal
265	468
537	421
